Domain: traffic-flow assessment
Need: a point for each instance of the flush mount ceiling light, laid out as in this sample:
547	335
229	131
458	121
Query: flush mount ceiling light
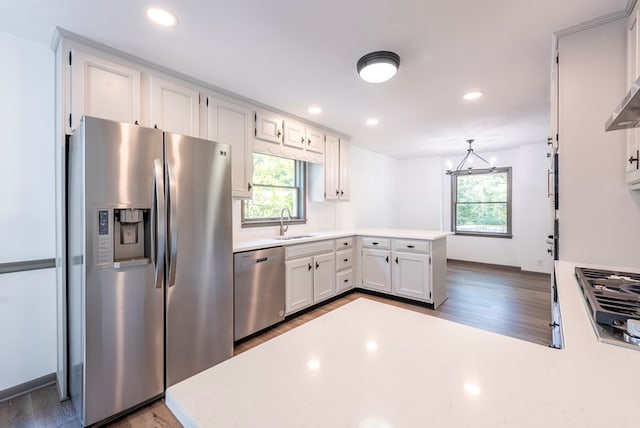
372	122
380	66
472	95
462	167
162	17
314	110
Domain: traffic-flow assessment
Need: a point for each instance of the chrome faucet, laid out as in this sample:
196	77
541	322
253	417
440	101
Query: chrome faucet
283	229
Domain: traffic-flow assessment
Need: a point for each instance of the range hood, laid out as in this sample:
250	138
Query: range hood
627	114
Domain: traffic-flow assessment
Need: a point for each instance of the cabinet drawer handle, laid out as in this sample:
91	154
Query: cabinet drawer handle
410	246
345	260
396	260
345	243
374	243
636	159
346	280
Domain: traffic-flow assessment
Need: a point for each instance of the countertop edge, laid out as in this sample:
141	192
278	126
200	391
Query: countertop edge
258	244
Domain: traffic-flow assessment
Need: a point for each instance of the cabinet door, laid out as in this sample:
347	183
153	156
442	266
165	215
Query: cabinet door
331	168
315	140
411	275
103	89
299	283
294	134
344	176
230	123
633	45
376	270
324	277
269	127
174	107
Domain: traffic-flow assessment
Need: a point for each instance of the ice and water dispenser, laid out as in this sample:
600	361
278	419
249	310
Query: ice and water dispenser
124	237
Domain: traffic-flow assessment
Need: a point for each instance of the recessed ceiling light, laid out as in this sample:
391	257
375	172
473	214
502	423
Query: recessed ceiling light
315	110
377	67
472	95
372	122
162	17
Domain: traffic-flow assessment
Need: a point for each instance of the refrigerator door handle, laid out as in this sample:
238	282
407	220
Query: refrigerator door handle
158	223
173	224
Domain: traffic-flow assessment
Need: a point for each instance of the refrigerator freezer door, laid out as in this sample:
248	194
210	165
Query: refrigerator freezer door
199	307
116	315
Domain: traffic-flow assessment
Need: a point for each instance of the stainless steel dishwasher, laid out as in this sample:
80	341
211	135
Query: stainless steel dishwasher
259	292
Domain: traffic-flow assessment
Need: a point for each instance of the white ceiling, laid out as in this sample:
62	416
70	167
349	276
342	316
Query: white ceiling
291	54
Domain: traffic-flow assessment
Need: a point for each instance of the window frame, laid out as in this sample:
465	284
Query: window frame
454	205
299	217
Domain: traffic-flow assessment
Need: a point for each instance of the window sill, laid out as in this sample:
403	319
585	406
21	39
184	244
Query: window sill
485	235
268	223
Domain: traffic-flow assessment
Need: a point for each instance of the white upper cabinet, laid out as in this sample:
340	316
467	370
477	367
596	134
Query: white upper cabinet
344	168
269	126
103	89
174	107
337	185
232	124
294	134
315	140
633	72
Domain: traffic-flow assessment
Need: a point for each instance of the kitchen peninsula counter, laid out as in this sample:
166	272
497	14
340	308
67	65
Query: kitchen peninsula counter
369	364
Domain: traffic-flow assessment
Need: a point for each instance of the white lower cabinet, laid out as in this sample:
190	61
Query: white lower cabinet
412	275
403	267
298	284
310	272
324	278
376	270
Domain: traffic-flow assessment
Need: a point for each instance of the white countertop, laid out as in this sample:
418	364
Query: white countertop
368	364
430	235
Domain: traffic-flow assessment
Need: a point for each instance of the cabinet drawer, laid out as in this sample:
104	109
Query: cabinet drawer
309	249
344	259
411	245
344	243
344	280
370	242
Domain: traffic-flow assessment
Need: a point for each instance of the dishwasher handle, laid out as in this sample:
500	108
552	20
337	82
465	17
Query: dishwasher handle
262	259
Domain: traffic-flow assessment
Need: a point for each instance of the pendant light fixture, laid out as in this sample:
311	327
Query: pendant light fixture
463	169
377	67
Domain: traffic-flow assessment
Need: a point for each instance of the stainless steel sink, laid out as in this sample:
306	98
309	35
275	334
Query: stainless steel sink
288	238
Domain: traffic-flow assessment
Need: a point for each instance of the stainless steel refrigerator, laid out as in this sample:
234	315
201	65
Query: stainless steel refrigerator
150	283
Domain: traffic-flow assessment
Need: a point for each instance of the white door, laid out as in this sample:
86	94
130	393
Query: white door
315	140
174	107
331	167
411	275
344	176
294	134
230	123
298	283
376	270
268	127
103	89
324	277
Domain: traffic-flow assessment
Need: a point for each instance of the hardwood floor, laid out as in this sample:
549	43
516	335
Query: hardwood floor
505	301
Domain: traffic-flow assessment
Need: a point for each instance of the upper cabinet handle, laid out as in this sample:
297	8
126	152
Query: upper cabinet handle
279	133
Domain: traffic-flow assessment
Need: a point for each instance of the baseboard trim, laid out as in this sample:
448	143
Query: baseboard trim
26	387
504	267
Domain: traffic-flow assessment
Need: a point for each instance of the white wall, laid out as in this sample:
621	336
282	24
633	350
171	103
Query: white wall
599	216
424	193
27	217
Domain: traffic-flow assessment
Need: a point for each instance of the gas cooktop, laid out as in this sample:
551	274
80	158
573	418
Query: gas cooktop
613	299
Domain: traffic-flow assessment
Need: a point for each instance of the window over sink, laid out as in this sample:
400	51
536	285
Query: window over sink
481	203
277	183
